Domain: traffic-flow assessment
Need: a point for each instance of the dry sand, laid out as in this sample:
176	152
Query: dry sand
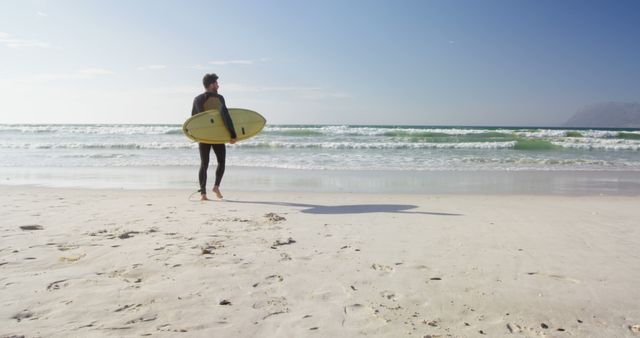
78	263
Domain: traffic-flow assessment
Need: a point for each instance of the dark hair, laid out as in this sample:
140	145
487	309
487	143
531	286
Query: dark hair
209	79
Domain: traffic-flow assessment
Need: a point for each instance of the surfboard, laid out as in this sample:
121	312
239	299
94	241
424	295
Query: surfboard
208	126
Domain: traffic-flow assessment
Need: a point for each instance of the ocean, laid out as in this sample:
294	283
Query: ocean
329	149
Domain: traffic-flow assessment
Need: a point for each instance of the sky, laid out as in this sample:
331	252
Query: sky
398	62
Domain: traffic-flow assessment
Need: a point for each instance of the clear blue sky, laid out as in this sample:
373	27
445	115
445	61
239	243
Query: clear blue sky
509	62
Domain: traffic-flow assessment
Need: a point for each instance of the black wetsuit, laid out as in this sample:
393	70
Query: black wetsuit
203	102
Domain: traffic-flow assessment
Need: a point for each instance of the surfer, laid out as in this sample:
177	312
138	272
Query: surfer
208	100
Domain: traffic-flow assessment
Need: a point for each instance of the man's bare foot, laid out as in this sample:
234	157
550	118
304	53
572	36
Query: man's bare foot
203	197
216	190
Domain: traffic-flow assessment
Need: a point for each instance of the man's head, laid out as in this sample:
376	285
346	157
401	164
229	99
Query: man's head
210	82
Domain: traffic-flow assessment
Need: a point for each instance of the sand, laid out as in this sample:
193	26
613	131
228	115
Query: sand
98	262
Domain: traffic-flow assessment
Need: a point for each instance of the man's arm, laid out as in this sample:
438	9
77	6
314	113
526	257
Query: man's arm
227	119
196	106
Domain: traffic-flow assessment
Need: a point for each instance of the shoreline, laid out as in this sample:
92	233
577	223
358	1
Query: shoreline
521	182
151	262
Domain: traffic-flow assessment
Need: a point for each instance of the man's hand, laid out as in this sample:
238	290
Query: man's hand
233	141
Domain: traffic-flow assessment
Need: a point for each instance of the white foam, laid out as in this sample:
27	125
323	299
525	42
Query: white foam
379	145
321	147
599	144
93	129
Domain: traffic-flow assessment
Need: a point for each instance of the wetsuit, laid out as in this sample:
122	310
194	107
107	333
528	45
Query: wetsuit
203	102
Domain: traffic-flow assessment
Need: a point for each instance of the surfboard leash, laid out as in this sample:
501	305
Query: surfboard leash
193	193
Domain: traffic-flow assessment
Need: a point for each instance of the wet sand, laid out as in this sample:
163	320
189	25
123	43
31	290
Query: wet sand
246	179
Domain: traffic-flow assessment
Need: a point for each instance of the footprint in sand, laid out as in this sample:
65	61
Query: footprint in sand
133	276
272	306
274	278
387	294
67	247
126	274
358	316
24	314
129	307
145	318
515	328
274	218
208	248
128	234
285	257
71	259
381	268
168	328
279	242
269	280
213	221
57	285
96	233
556	277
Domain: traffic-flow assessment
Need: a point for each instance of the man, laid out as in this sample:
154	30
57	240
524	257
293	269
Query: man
208	100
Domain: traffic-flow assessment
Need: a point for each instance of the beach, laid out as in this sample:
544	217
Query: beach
158	262
324	231
427	169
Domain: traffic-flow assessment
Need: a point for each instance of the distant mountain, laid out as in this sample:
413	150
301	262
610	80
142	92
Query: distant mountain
607	115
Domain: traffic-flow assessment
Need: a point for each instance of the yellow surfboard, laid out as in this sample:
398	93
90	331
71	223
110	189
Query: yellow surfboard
208	126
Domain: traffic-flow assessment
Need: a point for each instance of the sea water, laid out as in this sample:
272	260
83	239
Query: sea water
403	150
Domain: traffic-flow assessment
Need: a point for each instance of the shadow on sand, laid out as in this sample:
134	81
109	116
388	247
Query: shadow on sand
349	209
